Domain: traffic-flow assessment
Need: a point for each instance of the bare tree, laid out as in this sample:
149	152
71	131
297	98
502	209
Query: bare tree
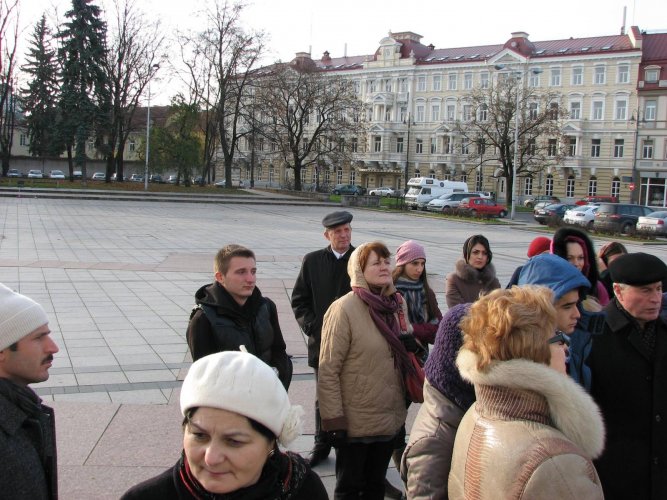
135	45
312	117
489	130
8	42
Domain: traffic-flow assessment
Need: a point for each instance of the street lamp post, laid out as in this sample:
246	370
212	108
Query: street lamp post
635	173
407	155
148	126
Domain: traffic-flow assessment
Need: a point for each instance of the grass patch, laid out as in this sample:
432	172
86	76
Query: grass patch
117	186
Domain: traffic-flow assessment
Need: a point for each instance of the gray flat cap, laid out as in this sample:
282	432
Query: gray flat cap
336	219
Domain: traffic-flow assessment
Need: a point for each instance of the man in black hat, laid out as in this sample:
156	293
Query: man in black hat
628	365
323	278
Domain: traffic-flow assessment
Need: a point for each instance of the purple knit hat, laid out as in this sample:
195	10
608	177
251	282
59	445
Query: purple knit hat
409	251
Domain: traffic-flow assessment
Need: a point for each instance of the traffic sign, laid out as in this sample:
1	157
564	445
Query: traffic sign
631	186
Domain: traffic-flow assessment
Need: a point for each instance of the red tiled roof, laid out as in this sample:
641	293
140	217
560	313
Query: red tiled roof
654	47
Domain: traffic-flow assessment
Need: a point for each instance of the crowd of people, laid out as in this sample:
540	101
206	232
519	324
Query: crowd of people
553	387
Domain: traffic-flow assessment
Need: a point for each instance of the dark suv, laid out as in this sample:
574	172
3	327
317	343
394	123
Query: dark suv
619	217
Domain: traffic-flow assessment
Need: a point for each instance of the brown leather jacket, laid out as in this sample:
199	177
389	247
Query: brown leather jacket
531	434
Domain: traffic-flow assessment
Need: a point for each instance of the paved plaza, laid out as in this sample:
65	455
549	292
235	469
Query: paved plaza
117	279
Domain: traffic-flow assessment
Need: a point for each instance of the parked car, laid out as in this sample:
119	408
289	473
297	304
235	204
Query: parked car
381	191
581	215
619	217
172	179
452	200
136	178
655	222
483	206
13	172
587	200
35	174
157	178
99	176
534	200
57	174
77	174
551	212
348	189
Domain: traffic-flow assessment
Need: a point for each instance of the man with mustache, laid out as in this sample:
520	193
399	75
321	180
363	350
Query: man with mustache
27	427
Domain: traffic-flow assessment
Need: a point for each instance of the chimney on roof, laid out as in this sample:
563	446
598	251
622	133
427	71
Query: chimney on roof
345	50
519	34
325	57
625	13
431	46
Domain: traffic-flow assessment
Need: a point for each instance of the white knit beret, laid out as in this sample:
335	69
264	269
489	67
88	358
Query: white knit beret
19	316
242	383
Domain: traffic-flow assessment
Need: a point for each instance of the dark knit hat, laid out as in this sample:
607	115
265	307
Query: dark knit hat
638	269
336	219
539	245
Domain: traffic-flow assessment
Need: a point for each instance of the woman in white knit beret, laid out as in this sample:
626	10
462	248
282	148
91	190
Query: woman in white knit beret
235	411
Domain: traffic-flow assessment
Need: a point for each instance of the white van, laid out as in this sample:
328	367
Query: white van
452	200
424	189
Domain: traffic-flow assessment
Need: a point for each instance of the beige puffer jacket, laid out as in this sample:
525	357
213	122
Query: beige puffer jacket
358	388
531	435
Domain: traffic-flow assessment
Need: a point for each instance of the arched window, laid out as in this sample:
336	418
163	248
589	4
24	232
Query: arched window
592	186
569	188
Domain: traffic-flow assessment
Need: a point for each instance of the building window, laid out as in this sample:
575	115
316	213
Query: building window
599	75
467	112
403	114
618	148
553	111
647	149
651	75
377	144
91	145
621	110
449	145
353	176
483	112
399	144
339	176
572	146
554	79
649	110
578	75
356	85
534	80
419	146
481	146
354	145
403	85
575	110
569	188
592	186
552	147
371	86
451	112
467	81
435	113
549	186
532	110
623	73
479	180
484	79
387	85
387	114
23	140
131	146
421	83
528	186
437	82
327	175
465	146
451	79
598	110
434	145
616	187
420	113
595	148
532	146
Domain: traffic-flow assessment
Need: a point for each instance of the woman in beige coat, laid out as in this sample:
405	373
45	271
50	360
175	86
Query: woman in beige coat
532	432
360	386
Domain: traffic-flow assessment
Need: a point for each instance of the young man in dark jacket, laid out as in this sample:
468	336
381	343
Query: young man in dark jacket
27	427
323	279
231	312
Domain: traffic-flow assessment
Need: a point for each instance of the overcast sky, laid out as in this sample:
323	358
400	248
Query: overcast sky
317	25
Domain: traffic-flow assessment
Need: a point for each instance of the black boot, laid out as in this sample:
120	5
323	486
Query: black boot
319	453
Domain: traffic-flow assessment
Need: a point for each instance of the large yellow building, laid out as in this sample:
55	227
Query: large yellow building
415	93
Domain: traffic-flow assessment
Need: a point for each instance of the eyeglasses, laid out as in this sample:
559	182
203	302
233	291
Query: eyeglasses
560	338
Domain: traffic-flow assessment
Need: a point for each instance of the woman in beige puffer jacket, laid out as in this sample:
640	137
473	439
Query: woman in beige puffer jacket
360	379
533	432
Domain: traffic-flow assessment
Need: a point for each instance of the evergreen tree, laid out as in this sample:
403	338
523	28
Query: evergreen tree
85	100
40	97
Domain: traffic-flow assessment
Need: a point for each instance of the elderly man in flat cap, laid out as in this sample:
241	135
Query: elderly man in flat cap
628	365
323	278
27	427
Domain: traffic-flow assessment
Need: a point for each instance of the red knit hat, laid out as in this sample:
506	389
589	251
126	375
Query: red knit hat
409	251
539	245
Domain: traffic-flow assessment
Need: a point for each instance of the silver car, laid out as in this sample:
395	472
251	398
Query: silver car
35	174
655	223
582	215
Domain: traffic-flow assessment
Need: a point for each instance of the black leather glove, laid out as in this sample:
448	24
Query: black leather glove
409	342
337	438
